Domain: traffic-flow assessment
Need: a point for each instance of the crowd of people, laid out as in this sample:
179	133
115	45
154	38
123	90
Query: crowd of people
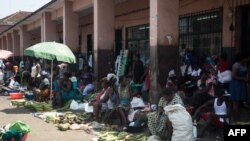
213	90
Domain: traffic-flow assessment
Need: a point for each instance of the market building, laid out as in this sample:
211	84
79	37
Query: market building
156	29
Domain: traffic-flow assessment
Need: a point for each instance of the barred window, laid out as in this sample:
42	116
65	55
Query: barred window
202	32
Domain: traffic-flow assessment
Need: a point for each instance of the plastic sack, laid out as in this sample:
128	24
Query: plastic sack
224	77
74	105
181	122
137	102
88	108
77	106
19	126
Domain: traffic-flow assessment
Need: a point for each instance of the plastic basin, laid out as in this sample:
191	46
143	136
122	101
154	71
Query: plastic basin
16	95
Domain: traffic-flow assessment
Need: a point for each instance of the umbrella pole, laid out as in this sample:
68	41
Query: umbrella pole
51	77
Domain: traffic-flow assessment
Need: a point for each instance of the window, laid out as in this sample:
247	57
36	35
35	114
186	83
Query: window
202	32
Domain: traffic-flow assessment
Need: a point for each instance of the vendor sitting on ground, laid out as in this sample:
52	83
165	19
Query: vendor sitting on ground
219	115
65	90
103	98
157	121
205	91
124	105
42	93
87	81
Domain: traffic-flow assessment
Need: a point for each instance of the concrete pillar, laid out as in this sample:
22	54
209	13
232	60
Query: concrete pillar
70	26
4	43
16	43
1	43
48	28
103	37
9	42
25	39
164	18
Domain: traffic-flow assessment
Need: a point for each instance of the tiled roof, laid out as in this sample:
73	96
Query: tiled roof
14	18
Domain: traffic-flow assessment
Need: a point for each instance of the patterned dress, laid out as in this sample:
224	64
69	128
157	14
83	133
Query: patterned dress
157	123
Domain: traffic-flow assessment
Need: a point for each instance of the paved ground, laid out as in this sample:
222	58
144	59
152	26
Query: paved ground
40	130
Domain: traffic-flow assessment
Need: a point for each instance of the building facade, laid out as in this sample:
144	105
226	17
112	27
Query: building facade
156	29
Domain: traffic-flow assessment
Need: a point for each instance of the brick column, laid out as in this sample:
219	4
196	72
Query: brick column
25	39
48	28
9	42
164	17
70	26
103	37
16	43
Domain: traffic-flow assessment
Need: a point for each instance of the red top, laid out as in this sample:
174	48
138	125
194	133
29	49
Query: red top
223	65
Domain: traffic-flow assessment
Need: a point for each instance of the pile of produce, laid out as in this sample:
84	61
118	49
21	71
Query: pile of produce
120	136
18	102
68	120
32	105
66	106
38	106
90	97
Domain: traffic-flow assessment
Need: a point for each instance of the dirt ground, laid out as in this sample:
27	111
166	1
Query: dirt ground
40	130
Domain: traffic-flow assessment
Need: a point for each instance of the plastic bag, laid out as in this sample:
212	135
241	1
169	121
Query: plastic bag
19	126
181	122
88	108
224	77
137	102
74	105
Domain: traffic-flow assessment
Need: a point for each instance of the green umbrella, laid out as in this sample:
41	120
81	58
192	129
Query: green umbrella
51	51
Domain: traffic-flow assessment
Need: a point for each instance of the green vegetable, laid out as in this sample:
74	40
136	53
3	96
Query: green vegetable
63	127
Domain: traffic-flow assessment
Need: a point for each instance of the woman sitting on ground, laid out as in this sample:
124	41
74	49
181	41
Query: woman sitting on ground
103	100
205	89
65	90
158	120
124	102
42	92
87	81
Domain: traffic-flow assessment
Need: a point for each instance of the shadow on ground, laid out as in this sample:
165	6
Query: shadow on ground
15	110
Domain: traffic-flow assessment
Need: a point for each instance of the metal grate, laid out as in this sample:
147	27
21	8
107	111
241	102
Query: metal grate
202	32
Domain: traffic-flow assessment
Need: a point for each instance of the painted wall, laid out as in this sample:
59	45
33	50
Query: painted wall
33	25
57	13
70	26
1	43
127	14
59	31
86	26
79	5
48	28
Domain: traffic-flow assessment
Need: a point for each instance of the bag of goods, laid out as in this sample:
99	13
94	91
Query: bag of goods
181	122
